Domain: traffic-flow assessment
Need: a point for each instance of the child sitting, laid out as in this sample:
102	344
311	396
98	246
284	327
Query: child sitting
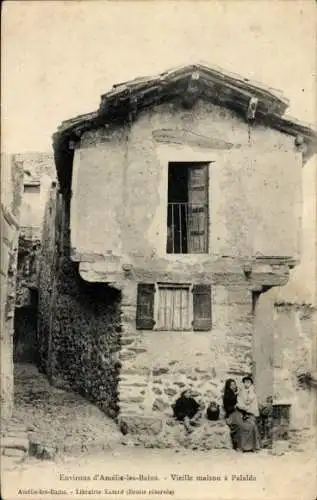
247	401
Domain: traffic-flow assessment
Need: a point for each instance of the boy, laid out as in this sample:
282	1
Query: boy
187	409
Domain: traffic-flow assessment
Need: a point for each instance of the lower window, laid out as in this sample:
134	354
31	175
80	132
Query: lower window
172	307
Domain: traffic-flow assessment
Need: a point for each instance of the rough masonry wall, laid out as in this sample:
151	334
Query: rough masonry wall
47	269
79	323
157	366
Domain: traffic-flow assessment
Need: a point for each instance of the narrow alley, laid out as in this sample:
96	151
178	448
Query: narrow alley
56	421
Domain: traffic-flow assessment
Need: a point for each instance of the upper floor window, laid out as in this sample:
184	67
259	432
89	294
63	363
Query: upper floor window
187	210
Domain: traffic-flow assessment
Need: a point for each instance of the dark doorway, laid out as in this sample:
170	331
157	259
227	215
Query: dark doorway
25	349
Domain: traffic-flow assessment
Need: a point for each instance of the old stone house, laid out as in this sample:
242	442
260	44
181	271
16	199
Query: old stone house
177	211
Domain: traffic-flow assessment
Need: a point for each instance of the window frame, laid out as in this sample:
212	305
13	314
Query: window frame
187	286
191	162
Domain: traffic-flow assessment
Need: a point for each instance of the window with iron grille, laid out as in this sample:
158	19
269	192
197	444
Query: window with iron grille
188	207
174	307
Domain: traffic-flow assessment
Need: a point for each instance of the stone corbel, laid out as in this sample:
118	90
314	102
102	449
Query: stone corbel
192	92
133	105
301	145
247	269
251	111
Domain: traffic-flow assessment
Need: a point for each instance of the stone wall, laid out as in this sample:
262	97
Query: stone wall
47	269
11	197
158	365
79	323
250	167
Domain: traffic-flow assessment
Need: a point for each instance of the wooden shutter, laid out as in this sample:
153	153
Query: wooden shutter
202	307
197	228
145	306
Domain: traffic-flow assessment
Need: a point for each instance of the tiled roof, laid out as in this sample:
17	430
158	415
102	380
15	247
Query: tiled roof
126	99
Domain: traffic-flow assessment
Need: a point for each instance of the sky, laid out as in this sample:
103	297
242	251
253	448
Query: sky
59	57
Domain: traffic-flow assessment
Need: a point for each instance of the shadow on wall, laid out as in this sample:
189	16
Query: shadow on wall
86	339
79	327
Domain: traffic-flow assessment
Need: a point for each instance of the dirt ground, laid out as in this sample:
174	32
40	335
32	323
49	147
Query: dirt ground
94	464
139	473
59	419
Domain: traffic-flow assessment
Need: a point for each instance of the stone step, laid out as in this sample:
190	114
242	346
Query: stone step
19	443
14	452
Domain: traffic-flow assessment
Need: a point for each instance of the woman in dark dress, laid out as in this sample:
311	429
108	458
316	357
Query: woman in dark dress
229	405
230	396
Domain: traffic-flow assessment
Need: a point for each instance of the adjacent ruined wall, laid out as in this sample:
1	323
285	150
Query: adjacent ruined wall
11	198
79	323
286	326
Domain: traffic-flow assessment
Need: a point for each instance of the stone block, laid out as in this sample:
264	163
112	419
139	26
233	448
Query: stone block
19	443
130	385
125	355
180	384
132	399
135	424
157	391
159	371
160	405
137	350
127	340
13	452
170	391
135	371
280	447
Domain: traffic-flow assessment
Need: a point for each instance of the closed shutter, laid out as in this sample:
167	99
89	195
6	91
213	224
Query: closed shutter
145	306
202	307
197	228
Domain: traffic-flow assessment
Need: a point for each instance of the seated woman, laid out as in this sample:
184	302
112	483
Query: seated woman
187	410
241	413
230	397
229	406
